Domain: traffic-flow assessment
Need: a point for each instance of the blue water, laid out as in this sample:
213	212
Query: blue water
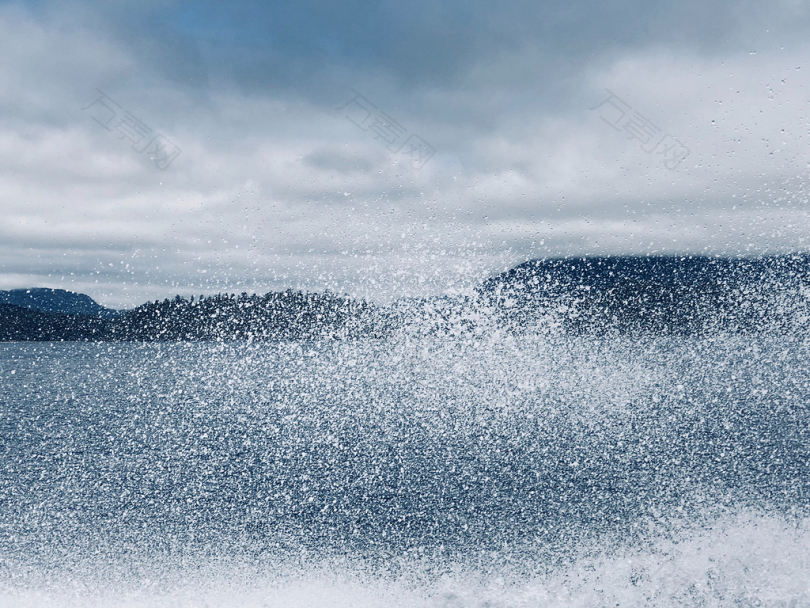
499	471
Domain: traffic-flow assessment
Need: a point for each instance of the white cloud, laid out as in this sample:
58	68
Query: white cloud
271	190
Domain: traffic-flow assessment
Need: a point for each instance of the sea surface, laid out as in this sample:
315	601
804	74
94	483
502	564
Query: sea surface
495	471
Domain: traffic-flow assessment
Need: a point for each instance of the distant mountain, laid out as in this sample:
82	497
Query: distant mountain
677	295
287	315
56	300
655	294
558	275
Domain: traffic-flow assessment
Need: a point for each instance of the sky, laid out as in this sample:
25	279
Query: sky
391	149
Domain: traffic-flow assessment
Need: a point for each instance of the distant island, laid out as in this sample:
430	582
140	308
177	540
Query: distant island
56	300
656	295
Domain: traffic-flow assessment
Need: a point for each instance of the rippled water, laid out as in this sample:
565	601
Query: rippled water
501	471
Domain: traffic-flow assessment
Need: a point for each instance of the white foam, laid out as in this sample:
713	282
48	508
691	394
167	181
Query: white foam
746	560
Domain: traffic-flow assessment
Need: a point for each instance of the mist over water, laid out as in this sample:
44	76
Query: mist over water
493	470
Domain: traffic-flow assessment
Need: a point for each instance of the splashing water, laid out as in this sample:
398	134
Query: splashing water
487	471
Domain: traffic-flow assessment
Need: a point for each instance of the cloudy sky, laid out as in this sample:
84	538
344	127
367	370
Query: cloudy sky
388	149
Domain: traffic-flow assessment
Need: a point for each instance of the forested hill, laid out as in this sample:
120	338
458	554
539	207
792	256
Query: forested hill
56	300
288	315
655	294
628	295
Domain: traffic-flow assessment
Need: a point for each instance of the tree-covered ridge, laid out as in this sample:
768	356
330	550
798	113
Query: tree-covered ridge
655	294
56	300
683	295
289	315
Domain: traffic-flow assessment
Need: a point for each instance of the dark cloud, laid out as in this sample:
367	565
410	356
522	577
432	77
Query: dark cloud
301	46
